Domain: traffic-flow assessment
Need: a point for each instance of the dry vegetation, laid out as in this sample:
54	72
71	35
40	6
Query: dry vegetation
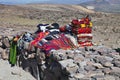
106	28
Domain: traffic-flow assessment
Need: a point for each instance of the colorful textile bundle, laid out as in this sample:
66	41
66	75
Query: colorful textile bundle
82	29
62	42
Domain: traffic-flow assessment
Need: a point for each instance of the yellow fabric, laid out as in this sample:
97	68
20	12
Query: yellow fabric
15	39
91	24
82	25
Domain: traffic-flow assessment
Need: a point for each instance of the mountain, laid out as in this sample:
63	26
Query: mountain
110	6
12	2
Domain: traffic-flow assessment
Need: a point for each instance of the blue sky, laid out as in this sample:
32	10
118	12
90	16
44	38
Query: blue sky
42	1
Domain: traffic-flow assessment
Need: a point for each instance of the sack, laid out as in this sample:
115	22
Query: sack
5	42
5	54
25	45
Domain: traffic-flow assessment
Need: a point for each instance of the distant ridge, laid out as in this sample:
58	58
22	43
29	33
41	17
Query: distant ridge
110	6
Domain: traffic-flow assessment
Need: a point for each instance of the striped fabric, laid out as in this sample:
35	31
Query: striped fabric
83	33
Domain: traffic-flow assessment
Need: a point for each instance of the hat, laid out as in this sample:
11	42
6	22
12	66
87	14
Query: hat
55	25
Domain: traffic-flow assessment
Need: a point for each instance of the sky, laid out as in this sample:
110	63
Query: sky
42	1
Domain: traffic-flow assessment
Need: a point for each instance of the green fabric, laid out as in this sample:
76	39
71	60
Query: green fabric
13	53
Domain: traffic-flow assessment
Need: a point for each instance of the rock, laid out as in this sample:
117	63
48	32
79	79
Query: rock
10	37
67	62
98	65
16	71
1	50
106	70
78	58
72	69
98	78
0	44
57	55
116	63
108	64
4	54
99	59
89	68
78	76
82	64
70	78
94	73
5	42
108	58
115	71
108	77
0	37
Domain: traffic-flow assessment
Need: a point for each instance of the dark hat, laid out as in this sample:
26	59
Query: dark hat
55	25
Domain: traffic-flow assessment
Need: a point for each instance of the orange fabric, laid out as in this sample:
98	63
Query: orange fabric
86	43
40	36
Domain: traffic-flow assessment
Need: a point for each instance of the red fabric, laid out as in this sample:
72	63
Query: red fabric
62	42
82	37
87	21
40	36
75	22
85	43
49	46
81	30
59	43
63	28
81	22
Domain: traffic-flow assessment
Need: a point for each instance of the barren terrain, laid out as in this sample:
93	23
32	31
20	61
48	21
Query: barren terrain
15	18
88	63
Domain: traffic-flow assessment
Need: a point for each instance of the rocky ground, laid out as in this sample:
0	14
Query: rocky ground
12	73
99	62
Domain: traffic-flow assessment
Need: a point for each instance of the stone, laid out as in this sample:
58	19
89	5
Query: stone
58	55
10	37
70	78
78	58
70	55
98	65
98	78
0	44
67	63
85	78
4	55
106	70
89	68
1	50
108	77
99	59
5	42
72	69
115	71
116	63
108	58
78	76
108	64
82	71
1	37
82	64
94	73
16	71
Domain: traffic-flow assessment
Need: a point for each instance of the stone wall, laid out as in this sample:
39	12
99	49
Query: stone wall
83	63
88	63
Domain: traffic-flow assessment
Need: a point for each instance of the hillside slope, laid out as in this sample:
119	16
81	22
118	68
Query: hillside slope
106	28
110	6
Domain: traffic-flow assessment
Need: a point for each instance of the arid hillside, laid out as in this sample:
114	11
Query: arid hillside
16	18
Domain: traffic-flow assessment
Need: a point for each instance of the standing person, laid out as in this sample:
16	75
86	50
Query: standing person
13	51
